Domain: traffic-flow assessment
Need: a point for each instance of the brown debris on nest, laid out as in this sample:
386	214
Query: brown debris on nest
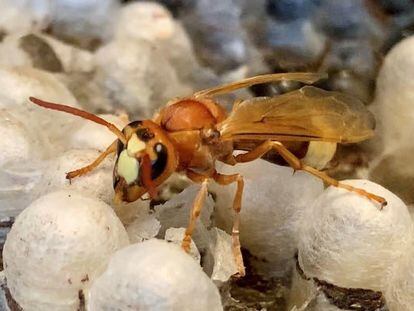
347	298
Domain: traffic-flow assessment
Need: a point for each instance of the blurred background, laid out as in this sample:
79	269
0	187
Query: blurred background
347	39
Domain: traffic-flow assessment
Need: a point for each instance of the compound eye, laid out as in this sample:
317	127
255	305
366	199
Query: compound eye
160	164
145	134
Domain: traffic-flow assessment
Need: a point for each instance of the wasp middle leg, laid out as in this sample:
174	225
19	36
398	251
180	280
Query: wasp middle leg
94	164
296	164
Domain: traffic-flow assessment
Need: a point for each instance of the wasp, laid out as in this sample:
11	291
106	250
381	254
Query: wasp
300	128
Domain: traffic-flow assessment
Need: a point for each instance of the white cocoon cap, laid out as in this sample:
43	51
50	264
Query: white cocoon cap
145	20
23	15
346	240
394	96
17	142
140	84
97	183
57	247
90	135
19	83
153	275
400	291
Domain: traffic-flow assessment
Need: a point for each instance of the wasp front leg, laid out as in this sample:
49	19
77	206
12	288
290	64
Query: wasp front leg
195	210
94	164
297	165
237	202
198	204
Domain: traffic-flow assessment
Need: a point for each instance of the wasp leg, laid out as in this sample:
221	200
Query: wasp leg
94	164
235	233
196	209
296	164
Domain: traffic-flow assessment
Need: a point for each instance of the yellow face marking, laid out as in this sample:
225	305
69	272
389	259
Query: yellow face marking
135	145
127	167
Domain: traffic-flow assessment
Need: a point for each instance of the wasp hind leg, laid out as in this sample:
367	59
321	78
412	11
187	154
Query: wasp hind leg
297	165
86	169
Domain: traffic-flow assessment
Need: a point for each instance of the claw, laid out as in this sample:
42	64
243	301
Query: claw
185	245
383	204
68	176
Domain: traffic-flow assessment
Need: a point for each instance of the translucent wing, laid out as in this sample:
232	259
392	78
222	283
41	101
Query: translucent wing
304	77
302	115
